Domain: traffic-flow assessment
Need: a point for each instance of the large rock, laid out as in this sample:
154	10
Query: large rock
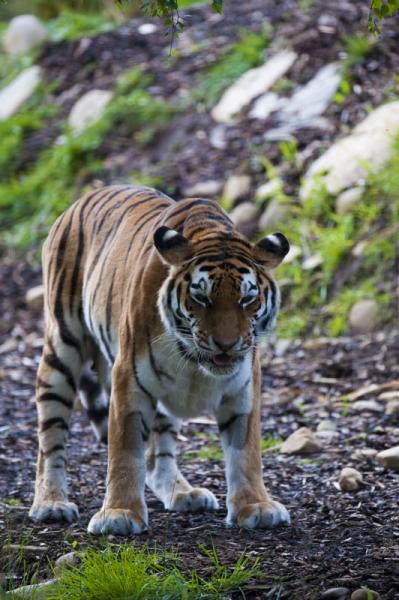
244	213
302	441
348	199
363	316
236	186
265	105
18	91
392	408
251	85
369	146
35	297
23	34
367	406
389	459
204	189
307	104
274	214
71	559
88	108
38	591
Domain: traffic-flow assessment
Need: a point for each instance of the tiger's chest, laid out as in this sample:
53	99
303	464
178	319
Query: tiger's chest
182	387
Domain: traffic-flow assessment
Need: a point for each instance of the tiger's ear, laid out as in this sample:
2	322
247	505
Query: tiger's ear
173	247
271	250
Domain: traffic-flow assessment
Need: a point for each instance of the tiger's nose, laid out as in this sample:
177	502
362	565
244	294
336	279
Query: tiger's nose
225	347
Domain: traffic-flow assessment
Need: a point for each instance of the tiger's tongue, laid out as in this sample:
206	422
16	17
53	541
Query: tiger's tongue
221	360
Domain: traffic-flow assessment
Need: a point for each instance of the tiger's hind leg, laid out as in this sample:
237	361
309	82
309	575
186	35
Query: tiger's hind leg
163	475
94	395
56	387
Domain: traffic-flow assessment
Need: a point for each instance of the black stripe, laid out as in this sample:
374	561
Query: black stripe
66	335
98	415
53	397
53	361
149	214
41	383
78	258
140	385
54	449
229	422
89	385
157	370
108	308
59	421
122	201
162	428
196	202
108	195
165	455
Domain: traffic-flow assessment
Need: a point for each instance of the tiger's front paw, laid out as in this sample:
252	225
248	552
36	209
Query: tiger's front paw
117	521
261	515
195	500
55	510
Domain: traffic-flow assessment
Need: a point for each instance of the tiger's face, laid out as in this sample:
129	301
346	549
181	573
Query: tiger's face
217	306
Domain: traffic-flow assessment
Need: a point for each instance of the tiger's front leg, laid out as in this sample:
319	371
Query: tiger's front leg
248	503
124	510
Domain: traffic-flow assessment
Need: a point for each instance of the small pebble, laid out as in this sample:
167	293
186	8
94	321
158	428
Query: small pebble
365	594
349	479
326	425
302	441
367	406
338	593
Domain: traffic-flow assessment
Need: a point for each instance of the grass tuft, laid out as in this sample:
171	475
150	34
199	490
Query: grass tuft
132	573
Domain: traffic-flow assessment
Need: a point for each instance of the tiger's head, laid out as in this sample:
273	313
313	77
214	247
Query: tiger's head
219	296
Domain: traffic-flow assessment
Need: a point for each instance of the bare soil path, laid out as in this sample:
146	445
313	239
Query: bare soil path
336	538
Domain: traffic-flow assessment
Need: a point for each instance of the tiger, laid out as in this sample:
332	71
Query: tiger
153	311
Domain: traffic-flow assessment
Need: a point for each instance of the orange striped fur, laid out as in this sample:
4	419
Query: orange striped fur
154	308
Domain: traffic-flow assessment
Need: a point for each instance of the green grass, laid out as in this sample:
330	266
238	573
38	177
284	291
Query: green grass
31	200
71	25
318	300
248	52
132	573
357	48
208	452
270	441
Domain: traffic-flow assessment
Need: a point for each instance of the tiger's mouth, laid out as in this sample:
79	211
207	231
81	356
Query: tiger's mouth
224	360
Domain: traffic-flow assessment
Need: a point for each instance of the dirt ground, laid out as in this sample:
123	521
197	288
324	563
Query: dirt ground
336	538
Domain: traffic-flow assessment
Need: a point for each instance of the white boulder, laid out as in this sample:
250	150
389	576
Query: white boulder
236	186
348	199
274	213
369	146
244	213
251	85
88	108
389	459
23	33
18	91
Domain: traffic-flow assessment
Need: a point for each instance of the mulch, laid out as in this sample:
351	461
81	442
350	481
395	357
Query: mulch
336	538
